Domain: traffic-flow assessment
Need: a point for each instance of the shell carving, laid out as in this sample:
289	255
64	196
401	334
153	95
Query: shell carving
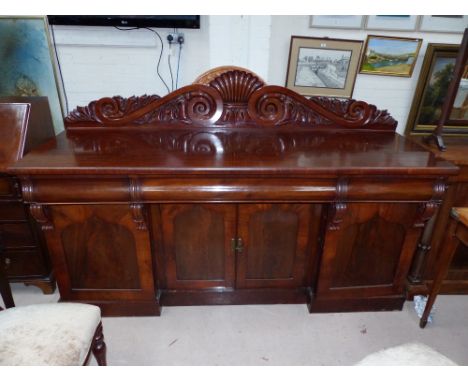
236	86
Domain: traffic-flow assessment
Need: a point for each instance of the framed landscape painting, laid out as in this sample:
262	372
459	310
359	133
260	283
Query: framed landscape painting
390	56
26	63
322	66
436	74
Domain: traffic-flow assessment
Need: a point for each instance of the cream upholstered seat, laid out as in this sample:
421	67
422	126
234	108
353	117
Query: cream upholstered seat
410	354
47	334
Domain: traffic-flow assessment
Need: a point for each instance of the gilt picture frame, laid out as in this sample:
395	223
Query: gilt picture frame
431	90
390	56
27	63
323	66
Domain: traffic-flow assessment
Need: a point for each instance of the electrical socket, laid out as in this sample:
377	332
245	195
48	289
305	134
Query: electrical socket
173	38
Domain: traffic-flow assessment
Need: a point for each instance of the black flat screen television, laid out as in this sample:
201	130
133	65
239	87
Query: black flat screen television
160	21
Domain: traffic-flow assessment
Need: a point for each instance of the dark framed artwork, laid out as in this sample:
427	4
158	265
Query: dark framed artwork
323	66
27	65
431	90
390	56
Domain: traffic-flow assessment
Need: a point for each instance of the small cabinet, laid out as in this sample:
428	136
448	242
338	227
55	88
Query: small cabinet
275	244
195	243
102	256
367	254
228	246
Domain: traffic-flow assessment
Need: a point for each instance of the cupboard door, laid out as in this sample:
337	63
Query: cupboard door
370	252
277	244
196	248
99	254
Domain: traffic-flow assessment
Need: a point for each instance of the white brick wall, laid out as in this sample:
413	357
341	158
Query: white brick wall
105	61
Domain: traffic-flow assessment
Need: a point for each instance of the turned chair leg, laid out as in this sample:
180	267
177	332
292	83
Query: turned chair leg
98	346
449	246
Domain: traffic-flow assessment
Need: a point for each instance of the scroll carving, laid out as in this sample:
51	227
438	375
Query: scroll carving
233	98
195	104
139	216
275	105
42	216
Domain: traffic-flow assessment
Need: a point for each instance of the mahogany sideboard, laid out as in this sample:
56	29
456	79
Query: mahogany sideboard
24	123
456	281
232	192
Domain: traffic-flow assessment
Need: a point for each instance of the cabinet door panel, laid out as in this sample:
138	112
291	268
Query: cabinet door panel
99	253
276	244
370	253
196	250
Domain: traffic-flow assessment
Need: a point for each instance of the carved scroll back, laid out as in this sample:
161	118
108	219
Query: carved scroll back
233	98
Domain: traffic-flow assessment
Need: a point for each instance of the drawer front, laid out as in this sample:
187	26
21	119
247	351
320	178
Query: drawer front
12	211
8	187
23	263
17	235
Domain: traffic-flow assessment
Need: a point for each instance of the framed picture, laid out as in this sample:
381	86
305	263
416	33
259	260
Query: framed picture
392	23
323	66
27	63
390	56
337	22
434	79
443	23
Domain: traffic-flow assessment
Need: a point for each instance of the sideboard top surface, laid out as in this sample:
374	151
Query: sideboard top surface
272	151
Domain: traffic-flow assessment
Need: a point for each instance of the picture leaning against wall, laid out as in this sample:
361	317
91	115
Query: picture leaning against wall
26	65
431	90
322	66
390	56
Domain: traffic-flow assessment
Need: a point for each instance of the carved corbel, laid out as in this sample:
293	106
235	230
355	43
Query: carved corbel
42	216
338	209
335	216
137	208
428	209
139	216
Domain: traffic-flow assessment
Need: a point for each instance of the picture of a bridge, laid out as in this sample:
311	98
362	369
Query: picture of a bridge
323	68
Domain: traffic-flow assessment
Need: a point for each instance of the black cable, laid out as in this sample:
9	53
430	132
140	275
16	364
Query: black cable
170	70
59	68
160	54
178	66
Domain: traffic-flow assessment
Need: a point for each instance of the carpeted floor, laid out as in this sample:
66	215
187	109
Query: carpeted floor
271	334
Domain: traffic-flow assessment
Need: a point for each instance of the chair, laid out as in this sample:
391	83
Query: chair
456	233
60	334
409	354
